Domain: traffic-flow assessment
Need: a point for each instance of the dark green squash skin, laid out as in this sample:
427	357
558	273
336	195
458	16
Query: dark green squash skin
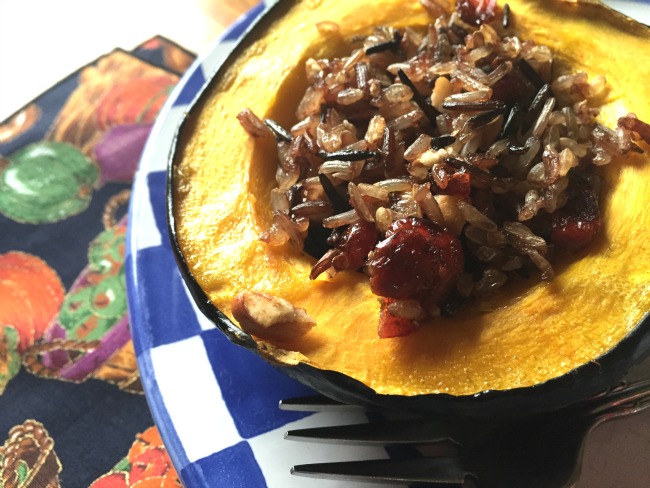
579	384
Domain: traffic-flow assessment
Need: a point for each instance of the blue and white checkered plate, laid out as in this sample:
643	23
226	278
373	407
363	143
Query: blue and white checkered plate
215	404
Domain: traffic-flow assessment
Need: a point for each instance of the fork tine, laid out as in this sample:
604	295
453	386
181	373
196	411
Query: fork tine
316	403
439	470
377	433
622	398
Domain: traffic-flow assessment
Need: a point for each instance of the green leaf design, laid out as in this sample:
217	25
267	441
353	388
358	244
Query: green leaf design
122	466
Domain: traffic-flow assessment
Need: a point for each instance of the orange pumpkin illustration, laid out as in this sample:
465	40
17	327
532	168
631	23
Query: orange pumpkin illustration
31	294
136	101
147	465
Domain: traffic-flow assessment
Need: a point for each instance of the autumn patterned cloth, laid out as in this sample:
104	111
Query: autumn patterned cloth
72	411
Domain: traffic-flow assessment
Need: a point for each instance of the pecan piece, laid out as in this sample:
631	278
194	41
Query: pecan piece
269	317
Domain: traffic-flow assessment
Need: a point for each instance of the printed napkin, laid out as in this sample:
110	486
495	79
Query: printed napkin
72	412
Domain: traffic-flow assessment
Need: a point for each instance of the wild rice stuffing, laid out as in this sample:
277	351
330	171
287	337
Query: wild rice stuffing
443	163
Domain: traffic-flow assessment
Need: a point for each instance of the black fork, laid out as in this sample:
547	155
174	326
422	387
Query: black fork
539	451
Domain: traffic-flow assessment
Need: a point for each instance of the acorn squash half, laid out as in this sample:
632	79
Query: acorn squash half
538	348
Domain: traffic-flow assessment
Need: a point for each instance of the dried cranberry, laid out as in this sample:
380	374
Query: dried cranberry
416	260
476	12
459	185
351	250
512	88
355	245
575	225
451	181
575	234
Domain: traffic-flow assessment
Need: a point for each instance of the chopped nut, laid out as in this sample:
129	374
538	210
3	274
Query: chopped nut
269	317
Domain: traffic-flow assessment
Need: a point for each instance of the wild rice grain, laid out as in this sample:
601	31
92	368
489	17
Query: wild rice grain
253	124
357	201
542	120
349	96
506	16
428	110
492	280
407	120
339	220
476	218
421	144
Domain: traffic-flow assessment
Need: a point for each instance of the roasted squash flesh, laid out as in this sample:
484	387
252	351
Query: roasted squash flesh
529	333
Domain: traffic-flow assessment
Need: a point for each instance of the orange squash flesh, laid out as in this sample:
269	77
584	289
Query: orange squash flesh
525	336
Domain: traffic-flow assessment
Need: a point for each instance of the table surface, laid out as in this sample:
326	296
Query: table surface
42	41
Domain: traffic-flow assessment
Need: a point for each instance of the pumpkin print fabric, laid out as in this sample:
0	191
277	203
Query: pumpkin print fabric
73	413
